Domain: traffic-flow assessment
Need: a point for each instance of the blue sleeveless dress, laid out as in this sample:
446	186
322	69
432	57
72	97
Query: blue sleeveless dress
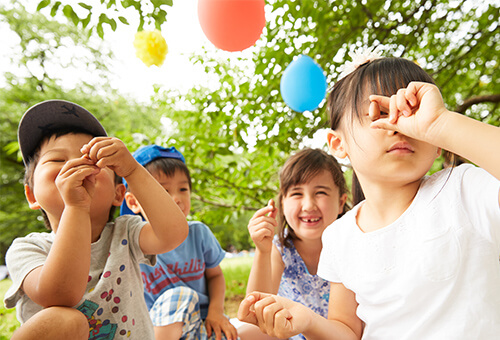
298	285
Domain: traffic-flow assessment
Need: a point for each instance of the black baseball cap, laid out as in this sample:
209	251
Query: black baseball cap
51	115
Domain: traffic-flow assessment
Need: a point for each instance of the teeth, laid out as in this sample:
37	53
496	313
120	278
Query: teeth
310	220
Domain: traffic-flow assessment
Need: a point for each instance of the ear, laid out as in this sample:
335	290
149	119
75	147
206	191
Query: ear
335	144
30	197
439	150
343	199
120	191
133	203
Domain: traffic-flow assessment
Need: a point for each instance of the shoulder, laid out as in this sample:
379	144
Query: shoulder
343	224
199	228
128	220
42	239
453	181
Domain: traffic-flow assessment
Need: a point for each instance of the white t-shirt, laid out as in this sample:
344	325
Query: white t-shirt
113	301
432	274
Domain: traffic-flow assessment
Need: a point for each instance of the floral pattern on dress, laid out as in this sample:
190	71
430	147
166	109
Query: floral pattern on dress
298	285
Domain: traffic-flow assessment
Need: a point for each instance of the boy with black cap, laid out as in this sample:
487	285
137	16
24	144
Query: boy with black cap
83	281
185	290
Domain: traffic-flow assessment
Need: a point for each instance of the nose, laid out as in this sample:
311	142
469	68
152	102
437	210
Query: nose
391	133
175	198
309	203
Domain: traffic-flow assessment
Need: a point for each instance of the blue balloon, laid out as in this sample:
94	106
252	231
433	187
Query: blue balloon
303	84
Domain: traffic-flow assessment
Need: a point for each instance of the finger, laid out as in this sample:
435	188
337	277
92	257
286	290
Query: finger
231	332
261	234
272	206
259	213
283	324
93	149
79	173
402	103
383	102
411	93
374	111
393	110
76	164
217	331
208	327
260	306
244	313
86	148
269	314
383	124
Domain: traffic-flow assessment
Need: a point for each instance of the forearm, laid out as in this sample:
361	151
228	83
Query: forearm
216	291
63	278
323	329
167	220
471	139
260	274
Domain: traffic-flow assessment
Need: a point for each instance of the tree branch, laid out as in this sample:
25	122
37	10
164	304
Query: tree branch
222	205
491	98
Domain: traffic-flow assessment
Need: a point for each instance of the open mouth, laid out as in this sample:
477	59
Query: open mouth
310	220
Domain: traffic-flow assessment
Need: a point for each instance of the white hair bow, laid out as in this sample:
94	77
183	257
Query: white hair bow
359	57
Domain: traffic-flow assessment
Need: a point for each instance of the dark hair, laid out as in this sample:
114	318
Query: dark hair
299	169
33	159
168	166
384	76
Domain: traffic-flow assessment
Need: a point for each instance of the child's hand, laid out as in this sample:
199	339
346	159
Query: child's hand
112	153
218	323
76	182
275	315
414	111
261	227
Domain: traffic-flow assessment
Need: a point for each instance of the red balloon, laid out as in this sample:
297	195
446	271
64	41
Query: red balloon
232	25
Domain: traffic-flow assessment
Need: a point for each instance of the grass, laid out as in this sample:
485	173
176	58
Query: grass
235	270
8	321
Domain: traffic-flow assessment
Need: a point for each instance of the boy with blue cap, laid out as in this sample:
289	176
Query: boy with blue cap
82	280
185	290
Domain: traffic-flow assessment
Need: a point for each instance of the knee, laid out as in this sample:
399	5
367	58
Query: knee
54	323
75	322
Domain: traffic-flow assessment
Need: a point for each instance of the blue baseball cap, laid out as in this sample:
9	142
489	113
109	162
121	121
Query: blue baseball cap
145	155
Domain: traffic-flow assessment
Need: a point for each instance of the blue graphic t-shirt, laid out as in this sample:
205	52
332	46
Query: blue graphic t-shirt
184	266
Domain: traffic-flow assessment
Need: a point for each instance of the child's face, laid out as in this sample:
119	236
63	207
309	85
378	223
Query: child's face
311	207
54	153
380	155
178	188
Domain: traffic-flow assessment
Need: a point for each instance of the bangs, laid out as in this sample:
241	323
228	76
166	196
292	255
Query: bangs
383	77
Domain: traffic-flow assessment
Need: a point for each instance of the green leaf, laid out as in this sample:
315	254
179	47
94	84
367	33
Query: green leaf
86	21
42	4
54	8
112	23
84	5
99	30
123	20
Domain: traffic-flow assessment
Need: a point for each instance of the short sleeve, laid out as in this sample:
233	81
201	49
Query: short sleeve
212	250
24	255
134	225
327	268
479	192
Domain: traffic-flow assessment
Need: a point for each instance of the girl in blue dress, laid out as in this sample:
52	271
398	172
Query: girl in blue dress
312	195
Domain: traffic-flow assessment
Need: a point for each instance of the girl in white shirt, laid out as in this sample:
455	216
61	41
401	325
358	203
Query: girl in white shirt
418	257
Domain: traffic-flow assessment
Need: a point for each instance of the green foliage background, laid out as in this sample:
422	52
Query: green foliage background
455	41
